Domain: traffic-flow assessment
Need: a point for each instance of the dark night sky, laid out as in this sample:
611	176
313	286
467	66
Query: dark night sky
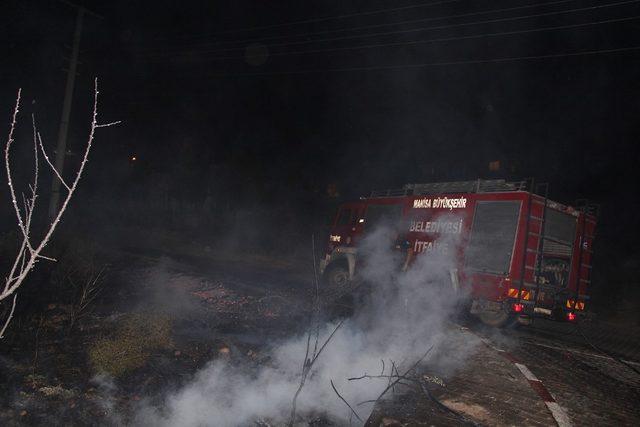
194	105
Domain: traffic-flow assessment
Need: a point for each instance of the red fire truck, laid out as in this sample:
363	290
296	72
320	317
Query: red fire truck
518	255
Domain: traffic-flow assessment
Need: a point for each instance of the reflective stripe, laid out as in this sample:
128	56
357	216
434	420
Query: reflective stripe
524	294
578	305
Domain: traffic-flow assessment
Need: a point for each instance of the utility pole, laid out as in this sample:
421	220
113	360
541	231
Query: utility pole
61	147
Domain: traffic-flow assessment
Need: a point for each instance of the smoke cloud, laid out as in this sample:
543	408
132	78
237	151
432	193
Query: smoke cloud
405	313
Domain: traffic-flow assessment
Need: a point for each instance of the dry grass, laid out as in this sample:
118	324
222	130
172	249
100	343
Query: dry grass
136	337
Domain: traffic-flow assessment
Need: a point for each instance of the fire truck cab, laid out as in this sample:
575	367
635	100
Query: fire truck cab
518	255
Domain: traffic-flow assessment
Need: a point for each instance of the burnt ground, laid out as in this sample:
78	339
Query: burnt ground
224	306
230	312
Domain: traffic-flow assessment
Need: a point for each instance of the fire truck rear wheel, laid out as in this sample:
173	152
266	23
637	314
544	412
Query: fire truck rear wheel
337	276
498	319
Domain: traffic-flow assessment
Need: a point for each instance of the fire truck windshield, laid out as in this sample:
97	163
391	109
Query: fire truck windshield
343	217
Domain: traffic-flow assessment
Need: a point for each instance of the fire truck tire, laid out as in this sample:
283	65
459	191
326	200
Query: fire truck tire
336	276
498	319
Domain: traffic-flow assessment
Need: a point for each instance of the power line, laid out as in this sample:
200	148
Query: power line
440	64
430	64
413	30
438	40
329	18
363	27
490	21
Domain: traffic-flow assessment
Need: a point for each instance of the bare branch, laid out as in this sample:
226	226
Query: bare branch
25	242
25	206
345	402
366	376
53	168
90	289
315	327
16	262
6	323
306	366
316	300
34	186
106	125
326	342
12	191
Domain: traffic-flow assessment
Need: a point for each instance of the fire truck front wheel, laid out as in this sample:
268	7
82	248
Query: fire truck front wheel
337	275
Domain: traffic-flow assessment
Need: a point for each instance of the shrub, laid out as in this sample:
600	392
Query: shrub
136	336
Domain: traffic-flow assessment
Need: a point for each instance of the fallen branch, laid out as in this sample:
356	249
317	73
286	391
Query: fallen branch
442	406
398	379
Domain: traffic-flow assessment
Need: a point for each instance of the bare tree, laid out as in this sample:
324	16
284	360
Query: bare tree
30	251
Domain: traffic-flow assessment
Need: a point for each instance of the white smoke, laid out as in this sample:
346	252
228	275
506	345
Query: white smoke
106	397
405	314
